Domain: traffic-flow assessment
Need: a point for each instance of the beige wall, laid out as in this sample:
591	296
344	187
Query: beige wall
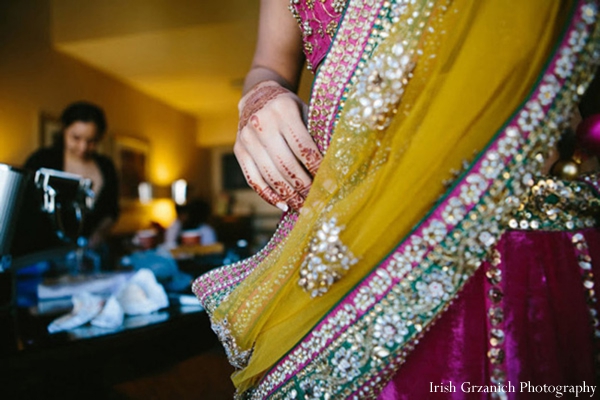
34	78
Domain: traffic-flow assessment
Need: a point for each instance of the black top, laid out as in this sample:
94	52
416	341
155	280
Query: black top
35	231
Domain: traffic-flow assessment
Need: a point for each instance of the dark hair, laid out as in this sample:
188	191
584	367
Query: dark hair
84	112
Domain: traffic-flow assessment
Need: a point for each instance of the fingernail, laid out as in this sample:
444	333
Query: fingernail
282	206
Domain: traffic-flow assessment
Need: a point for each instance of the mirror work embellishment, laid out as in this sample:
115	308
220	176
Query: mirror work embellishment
327	260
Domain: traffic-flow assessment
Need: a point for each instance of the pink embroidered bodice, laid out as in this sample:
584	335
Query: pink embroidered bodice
318	20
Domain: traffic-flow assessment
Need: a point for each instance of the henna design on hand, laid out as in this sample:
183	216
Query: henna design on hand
296	202
288	195
255	123
284	190
257	99
304	192
297	183
267	194
313	159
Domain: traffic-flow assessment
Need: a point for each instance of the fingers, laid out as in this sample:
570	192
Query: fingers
280	154
299	140
272	164
304	148
255	179
276	181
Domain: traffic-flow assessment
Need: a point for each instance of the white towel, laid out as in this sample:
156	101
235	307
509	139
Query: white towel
142	294
85	307
111	316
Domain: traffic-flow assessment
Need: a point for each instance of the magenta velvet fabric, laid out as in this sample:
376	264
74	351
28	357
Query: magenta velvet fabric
319	22
549	334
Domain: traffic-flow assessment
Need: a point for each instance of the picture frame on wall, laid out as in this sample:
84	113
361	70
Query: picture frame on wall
49	128
131	160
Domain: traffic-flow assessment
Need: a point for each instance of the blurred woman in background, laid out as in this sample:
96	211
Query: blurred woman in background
74	151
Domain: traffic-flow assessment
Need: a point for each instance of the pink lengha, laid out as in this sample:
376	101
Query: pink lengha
588	134
546	325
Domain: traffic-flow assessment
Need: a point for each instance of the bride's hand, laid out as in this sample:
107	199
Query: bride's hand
273	147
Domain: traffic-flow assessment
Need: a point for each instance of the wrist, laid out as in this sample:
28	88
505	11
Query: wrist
259	86
258	74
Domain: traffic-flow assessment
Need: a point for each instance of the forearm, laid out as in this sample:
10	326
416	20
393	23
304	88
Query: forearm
278	56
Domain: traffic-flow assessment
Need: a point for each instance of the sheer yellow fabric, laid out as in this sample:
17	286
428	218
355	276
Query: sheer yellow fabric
474	67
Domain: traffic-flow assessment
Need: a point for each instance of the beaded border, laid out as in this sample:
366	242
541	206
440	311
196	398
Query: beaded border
584	260
338	67
495	321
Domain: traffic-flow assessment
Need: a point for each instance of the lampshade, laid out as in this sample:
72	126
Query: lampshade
145	192
179	191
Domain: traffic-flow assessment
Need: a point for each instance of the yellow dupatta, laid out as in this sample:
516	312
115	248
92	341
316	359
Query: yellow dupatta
475	62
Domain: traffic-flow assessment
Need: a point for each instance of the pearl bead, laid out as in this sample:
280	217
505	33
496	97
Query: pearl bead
566	169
